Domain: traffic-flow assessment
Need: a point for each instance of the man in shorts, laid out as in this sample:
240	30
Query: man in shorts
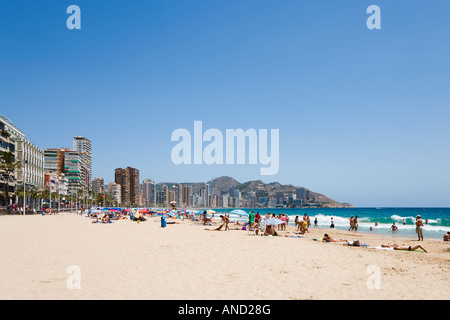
419	228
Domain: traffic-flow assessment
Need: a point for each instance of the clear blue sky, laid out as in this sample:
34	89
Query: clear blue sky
363	114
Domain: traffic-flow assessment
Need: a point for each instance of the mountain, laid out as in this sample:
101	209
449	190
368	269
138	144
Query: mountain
262	189
223	184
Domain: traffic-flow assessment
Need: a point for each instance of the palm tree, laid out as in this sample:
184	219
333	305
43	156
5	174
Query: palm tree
19	194
8	165
34	193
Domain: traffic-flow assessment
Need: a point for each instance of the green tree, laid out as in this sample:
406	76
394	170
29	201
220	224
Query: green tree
8	165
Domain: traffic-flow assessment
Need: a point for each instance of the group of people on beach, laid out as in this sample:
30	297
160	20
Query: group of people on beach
419	227
353	223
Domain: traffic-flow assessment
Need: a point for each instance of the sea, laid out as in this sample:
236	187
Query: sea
438	219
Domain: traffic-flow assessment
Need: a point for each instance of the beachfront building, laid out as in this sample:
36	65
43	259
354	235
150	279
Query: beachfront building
205	195
252	199
134	185
196	200
73	171
98	185
57	185
32	159
302	196
7	181
122	178
165	198
149	192
54	160
128	179
84	147
30	173
225	201
187	195
114	191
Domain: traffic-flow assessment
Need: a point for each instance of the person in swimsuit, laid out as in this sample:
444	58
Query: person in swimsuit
351	224
225	220
403	247
447	236
327	238
270	231
419	228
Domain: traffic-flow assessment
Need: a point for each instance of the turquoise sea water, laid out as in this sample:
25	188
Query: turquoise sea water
438	219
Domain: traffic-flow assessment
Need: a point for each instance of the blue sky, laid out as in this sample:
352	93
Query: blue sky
363	114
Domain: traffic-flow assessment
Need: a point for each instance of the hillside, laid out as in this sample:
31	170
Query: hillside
223	184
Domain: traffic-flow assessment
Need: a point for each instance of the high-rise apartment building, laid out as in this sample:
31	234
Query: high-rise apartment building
149	192
31	157
187	191
206	195
122	178
98	185
7	144
114	191
134	185
73	171
54	162
165	191
128	179
84	147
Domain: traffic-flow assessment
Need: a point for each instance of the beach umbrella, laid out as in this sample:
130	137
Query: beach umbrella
272	222
239	212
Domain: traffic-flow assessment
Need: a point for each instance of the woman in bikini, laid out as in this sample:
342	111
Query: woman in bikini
403	247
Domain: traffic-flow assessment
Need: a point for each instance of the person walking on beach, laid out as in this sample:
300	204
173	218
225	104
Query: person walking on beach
315	222
351	224
251	219
419	228
355	223
257	217
332	223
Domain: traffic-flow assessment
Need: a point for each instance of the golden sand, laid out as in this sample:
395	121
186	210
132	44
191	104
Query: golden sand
127	260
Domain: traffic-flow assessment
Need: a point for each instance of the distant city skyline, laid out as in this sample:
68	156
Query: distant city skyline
362	114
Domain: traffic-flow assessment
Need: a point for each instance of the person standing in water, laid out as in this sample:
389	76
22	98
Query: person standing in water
351	223
419	228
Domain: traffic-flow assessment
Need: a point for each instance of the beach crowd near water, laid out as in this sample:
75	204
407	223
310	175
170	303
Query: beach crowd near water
271	224
153	253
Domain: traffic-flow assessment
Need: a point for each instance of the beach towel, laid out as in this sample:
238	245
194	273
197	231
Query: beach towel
381	248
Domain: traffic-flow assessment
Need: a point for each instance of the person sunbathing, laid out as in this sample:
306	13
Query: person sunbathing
403	247
327	238
270	231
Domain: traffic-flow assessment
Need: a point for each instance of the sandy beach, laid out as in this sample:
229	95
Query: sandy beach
129	260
